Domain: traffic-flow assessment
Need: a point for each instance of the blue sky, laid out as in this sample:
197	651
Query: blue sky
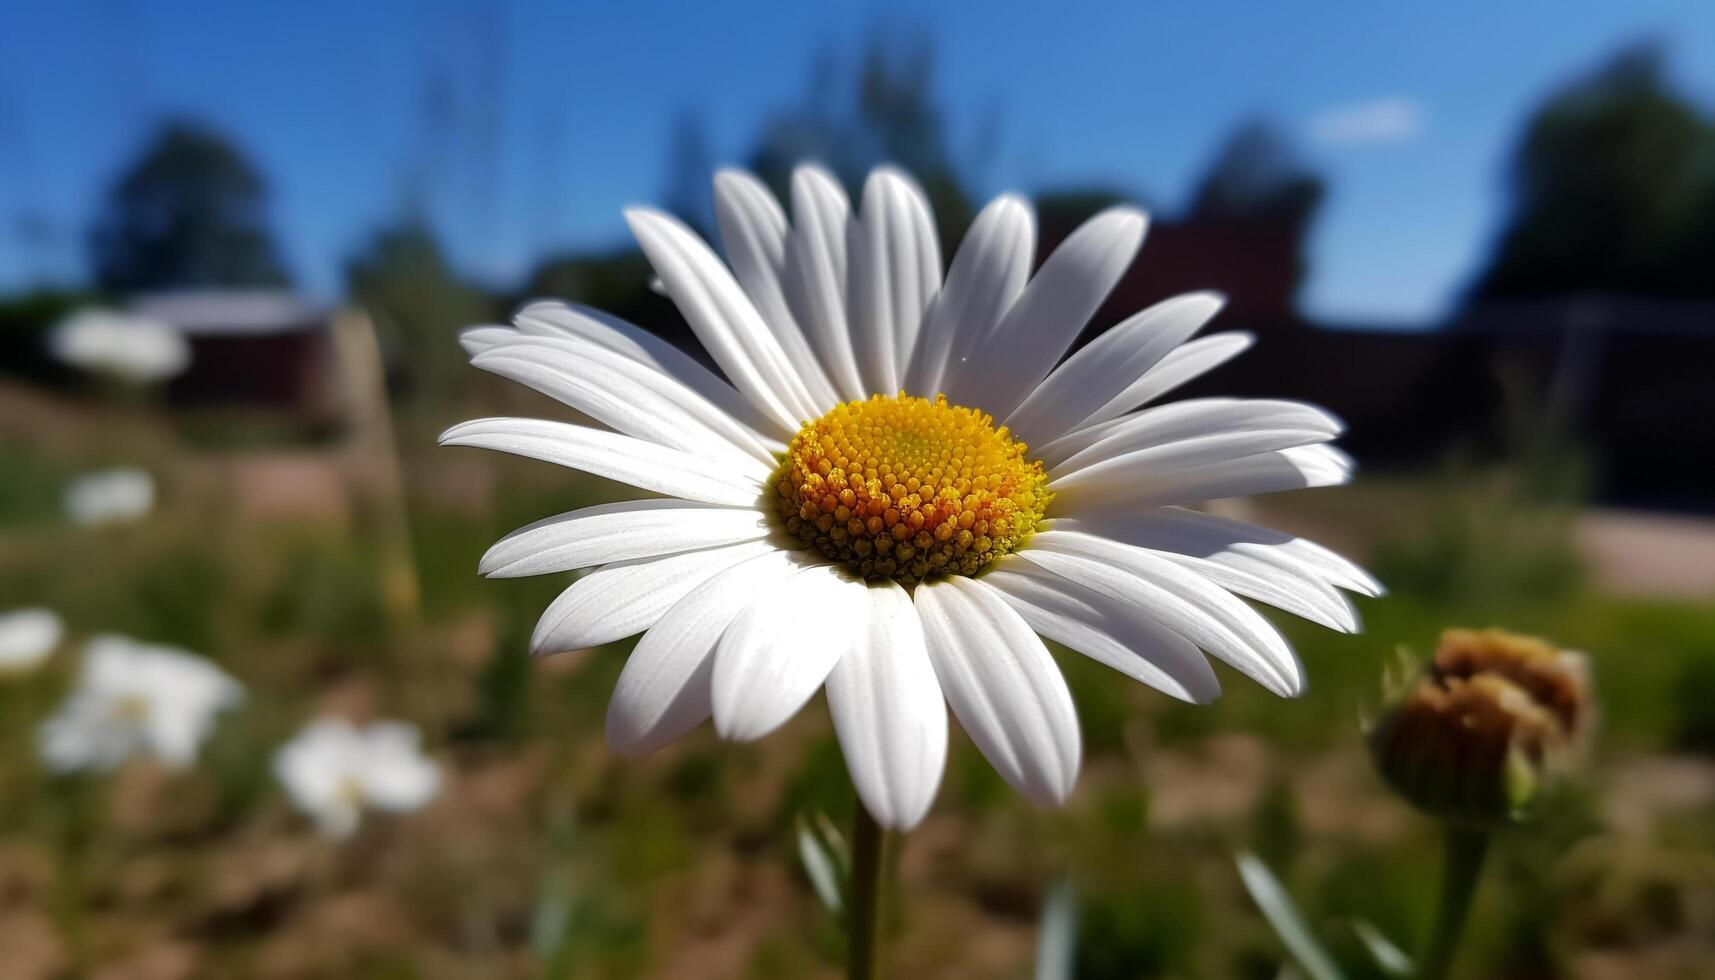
561	112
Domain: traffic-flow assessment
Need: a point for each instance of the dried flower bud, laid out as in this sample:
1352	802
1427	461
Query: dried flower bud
1478	735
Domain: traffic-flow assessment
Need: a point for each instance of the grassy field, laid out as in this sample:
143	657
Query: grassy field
546	856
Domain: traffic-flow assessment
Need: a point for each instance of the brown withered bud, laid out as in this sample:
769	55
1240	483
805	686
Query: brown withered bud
1479	734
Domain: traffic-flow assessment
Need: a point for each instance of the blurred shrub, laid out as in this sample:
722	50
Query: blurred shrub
419	304
1491	538
30	492
1104	698
1150	929
326	594
25	320
176	598
1693	694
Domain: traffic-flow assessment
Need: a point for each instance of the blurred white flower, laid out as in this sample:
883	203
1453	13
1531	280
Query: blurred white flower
132	348
27	636
110	496
334	770
135	698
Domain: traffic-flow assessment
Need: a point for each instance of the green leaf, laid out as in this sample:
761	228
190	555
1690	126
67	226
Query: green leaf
1389	957
1276	905
822	863
1057	938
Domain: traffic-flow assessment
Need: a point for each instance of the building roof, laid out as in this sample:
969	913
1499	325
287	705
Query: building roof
232	312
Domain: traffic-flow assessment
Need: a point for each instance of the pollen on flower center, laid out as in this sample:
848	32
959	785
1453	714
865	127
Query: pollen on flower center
907	488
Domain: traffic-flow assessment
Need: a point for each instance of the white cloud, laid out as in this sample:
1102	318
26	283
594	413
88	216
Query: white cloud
1390	120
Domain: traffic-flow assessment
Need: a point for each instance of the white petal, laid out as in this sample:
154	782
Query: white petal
1221	539
1003	685
475	340
608	454
619	531
1183	601
1289	590
1130	456
753	235
888	712
399	777
1230	541
815	276
1071	285
1108	365
663	692
722	317
1183	421
1288	469
987	275
638	344
617	600
632	398
781	648
895	271
1190	361
1105	630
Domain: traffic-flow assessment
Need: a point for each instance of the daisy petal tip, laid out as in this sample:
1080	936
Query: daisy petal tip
644	220
902	817
538	307
1051	795
733	177
813	172
1129	221
623	741
1212	299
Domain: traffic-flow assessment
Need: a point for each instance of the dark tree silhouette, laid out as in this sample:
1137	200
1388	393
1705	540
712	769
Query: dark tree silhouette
880	109
1257	177
191	211
1613	188
418	302
690	164
1257	174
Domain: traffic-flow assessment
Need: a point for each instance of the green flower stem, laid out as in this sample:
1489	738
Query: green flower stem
1465	850
863	901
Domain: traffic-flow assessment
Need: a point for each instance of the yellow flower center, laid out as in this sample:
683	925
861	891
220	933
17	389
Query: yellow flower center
906	488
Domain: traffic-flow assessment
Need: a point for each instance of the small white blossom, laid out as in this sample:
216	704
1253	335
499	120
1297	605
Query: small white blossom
110	496
135	349
27	636
136	699
334	770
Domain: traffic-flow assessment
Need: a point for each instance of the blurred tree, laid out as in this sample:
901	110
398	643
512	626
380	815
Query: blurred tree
418	302
690	164
191	211
1257	176
880	110
1613	190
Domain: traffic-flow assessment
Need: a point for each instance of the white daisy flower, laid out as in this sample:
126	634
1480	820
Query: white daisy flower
333	771
27	636
132	699
110	496
136	349
904	489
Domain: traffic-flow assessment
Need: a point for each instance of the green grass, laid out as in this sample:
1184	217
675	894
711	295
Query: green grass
554	858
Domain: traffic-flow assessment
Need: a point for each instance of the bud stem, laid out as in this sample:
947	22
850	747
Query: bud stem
1465	849
864	897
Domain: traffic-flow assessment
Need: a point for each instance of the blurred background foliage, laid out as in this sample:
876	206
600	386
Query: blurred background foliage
549	857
